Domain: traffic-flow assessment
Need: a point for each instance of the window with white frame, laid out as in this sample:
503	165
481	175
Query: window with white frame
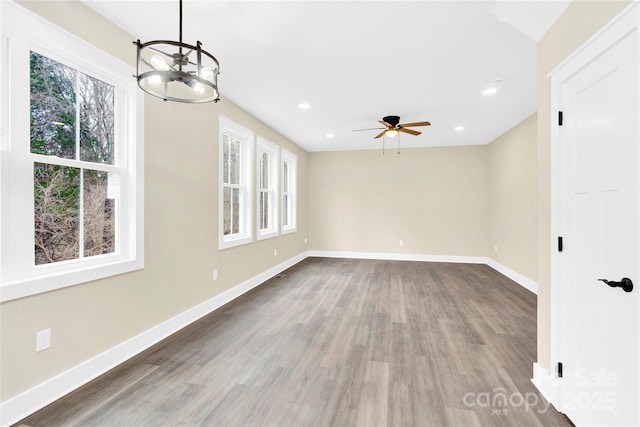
267	184
235	195
71	208
289	196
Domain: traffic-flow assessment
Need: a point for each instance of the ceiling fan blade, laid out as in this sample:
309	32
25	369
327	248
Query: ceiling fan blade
382	122
408	125
358	130
380	134
410	131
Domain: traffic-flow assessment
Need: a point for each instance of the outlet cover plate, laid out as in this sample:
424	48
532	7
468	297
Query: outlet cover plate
43	340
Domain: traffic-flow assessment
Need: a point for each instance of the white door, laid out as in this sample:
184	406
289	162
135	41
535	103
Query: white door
599	221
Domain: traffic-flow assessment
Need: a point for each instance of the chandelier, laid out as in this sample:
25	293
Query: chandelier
176	71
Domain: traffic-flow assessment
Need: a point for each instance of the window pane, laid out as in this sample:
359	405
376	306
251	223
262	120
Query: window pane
264	210
285	176
235	211
261	210
56	213
285	210
265	214
53	108
96	120
234	162
260	170
265	173
227	211
225	159
264	170
99	214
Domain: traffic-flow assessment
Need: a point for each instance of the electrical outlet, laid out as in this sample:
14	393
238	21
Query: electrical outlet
495	248
275	252
43	340
215	274
306	240
401	242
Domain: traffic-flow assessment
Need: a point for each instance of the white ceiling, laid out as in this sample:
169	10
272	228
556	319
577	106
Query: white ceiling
354	62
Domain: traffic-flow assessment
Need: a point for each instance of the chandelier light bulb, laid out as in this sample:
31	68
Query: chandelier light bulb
207	73
155	81
198	88
159	63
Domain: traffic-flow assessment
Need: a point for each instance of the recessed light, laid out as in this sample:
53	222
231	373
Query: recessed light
458	128
330	135
489	91
303	106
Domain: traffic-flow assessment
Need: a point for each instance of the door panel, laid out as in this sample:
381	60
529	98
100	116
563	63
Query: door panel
599	220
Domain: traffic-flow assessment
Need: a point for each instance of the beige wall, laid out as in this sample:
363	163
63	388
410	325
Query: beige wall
577	24
512	198
440	201
434	199
181	238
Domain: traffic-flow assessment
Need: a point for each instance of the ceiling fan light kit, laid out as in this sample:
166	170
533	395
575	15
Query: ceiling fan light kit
177	71
393	128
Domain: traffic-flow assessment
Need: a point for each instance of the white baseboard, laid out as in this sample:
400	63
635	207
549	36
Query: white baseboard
523	281
26	403
399	257
547	385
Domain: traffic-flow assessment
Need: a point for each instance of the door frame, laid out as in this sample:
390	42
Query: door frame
620	26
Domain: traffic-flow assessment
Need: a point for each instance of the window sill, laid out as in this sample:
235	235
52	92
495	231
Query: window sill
289	230
233	242
29	286
268	235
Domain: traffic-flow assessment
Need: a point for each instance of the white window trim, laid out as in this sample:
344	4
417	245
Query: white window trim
273	151
292	159
24	31
229	127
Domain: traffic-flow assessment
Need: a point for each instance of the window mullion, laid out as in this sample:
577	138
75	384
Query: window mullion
59	161
81	172
81	217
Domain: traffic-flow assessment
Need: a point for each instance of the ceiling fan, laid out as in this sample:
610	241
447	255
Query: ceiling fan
393	127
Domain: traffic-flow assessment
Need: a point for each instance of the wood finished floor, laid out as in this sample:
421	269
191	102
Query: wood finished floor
336	342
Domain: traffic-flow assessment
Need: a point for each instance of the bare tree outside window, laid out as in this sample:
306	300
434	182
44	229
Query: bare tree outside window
99	214
96	120
57	198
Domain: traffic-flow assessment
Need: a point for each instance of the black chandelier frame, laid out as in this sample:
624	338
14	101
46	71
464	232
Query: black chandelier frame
174	76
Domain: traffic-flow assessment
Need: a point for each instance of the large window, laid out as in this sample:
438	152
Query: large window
71	208
236	159
75	181
289	196
267	194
